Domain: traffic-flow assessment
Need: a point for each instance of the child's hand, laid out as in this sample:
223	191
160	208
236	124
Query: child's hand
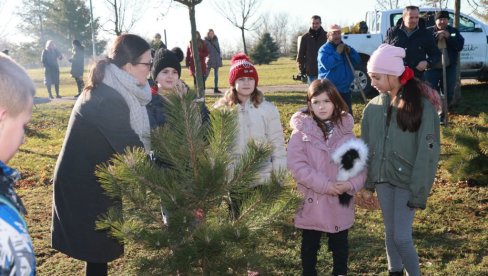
343	186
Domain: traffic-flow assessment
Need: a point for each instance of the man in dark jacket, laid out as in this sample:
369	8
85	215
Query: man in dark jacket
411	34
309	48
452	41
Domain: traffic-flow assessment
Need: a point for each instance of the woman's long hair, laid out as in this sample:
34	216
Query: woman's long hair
127	48
409	110
318	87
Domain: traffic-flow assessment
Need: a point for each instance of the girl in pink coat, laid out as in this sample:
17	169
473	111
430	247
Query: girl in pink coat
321	140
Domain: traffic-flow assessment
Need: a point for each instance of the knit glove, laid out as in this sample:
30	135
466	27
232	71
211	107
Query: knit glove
340	48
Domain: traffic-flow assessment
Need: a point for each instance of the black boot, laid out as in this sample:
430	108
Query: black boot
395	273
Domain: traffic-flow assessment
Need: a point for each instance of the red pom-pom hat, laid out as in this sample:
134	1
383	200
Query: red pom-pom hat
242	67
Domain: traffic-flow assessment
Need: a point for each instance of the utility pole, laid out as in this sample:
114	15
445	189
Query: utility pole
92	31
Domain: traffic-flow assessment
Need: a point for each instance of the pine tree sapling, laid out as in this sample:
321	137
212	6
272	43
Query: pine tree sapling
468	159
192	185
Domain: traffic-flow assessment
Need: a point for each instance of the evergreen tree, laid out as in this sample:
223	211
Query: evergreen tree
61	21
265	51
468	157
192	183
294	45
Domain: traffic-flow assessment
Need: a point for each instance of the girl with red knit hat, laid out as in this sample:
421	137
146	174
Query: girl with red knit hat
401	128
258	119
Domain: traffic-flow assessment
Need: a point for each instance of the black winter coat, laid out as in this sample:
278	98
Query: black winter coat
309	49
78	63
419	46
455	43
99	127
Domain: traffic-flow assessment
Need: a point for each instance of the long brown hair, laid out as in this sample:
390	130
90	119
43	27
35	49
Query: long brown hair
409	110
127	48
318	87
230	98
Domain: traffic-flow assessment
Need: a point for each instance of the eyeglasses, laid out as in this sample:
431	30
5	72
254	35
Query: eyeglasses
148	64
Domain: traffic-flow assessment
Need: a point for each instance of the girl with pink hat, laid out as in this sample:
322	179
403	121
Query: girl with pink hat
401	128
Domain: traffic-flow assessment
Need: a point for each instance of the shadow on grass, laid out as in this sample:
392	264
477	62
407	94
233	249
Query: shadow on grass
51	156
32	132
474	100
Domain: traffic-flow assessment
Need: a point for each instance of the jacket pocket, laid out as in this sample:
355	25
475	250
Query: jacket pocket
400	168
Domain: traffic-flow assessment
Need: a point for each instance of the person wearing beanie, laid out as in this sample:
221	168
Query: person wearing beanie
333	61
410	33
451	42
258	119
401	128
166	73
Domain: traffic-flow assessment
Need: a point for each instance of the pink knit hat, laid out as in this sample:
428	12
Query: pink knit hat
242	67
388	60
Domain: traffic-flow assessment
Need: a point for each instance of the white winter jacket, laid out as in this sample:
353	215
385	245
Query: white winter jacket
262	124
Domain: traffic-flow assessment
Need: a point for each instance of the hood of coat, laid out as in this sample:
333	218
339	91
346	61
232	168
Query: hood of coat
303	122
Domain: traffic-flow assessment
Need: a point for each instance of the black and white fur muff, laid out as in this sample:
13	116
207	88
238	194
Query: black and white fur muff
351	158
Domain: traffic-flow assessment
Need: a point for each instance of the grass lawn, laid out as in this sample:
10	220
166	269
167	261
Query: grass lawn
451	235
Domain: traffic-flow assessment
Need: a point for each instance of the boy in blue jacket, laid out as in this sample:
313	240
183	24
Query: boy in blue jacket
16	100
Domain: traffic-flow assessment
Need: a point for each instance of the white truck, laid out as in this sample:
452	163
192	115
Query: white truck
474	56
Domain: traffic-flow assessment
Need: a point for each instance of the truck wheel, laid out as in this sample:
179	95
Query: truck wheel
364	81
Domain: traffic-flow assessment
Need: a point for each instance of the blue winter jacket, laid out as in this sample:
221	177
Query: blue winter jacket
334	66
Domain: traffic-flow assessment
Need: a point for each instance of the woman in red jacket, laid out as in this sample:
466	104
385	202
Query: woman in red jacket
202	53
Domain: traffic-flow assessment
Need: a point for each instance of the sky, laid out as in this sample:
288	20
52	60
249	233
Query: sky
175	20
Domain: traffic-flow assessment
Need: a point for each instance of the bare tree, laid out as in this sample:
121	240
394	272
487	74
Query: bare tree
441	4
278	26
240	14
191	4
387	4
125	13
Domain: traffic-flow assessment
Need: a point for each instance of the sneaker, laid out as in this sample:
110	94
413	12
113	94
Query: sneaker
216	91
58	97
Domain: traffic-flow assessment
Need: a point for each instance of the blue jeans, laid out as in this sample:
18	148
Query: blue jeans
216	77
310	79
434	77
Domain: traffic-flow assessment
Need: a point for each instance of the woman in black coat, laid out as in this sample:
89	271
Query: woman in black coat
109	116
78	65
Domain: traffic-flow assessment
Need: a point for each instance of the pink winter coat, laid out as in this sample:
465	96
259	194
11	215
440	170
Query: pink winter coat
309	160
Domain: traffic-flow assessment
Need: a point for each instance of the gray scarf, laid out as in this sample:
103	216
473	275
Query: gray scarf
136	97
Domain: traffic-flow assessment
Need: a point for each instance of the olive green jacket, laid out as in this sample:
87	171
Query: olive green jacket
404	159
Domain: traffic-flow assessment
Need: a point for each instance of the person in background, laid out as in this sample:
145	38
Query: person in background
78	65
108	117
410	33
214	59
309	49
450	38
202	53
334	64
319	131
401	128
49	59
157	43
16	100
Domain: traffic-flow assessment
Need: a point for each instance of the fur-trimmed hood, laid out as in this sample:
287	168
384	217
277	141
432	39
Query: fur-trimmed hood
359	163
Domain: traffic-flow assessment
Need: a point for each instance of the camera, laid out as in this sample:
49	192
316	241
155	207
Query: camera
300	77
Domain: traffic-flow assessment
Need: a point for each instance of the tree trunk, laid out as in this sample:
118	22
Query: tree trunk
196	56
457	89
244	41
